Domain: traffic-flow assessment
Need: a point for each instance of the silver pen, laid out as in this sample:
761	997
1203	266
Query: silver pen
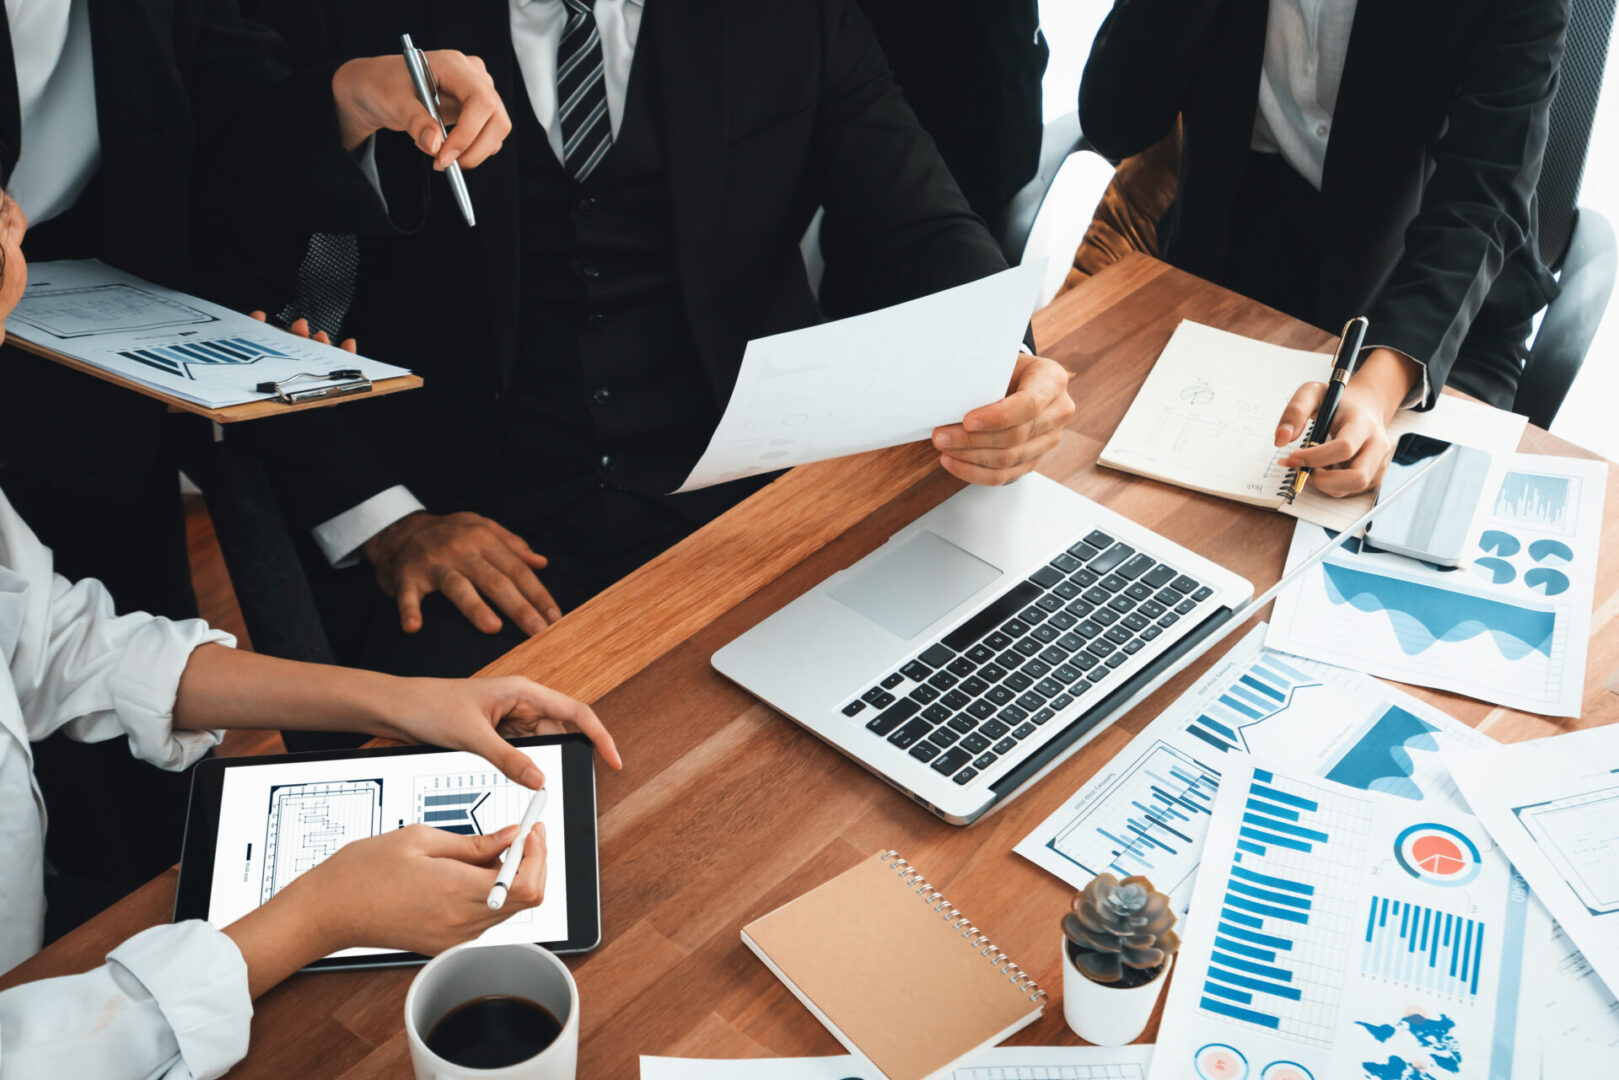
427	93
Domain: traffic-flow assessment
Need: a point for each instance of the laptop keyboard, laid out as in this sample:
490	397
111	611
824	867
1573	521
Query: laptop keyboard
983	688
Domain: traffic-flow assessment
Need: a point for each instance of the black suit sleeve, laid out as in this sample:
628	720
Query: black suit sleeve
1141	63
896	225
1478	203
268	146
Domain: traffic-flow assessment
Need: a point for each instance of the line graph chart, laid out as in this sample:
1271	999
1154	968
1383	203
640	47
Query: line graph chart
308	822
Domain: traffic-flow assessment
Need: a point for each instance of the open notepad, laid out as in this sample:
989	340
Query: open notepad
1206	419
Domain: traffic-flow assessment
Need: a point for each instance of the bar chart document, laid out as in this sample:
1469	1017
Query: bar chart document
998	1063
1553	806
165	340
1343	934
880	379
1147	810
1510	626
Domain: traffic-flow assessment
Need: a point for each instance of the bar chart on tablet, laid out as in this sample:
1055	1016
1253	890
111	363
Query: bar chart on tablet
471	803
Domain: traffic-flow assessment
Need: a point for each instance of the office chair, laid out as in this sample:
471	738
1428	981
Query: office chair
1575	241
1048	216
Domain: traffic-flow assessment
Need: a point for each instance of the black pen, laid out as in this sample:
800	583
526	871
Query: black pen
1343	366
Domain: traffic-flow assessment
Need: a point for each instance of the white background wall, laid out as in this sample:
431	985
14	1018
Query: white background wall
1590	416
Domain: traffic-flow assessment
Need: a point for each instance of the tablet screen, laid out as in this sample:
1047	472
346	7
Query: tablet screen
279	819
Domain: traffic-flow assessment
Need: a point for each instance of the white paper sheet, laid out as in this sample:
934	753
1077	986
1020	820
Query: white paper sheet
1510	627
1582	1017
874	380
999	1063
1553	806
163	339
1339	934
1147	810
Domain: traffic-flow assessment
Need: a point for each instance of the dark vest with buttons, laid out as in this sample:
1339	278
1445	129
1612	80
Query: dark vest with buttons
608	407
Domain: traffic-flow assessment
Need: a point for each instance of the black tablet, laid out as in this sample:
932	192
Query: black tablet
256	823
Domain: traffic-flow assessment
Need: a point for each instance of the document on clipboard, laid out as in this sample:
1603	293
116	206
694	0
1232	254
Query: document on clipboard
197	355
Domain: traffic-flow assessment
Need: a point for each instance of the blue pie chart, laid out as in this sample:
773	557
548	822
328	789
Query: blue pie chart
1546	581
1551	552
1499	543
1495	571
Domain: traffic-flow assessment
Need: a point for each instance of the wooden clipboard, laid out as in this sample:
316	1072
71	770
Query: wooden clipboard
251	410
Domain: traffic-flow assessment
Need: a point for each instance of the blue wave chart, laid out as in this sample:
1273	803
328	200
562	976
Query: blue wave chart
1422	616
1383	759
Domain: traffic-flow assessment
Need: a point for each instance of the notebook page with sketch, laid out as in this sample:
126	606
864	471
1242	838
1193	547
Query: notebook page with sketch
1206	416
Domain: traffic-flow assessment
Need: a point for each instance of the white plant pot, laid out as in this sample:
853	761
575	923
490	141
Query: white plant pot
1103	1014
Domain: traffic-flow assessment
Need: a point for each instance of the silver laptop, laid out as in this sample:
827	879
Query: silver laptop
985	642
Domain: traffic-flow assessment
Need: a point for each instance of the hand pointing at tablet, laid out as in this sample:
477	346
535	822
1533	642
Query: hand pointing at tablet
224	688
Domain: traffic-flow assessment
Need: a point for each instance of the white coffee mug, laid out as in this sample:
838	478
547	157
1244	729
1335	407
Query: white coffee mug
468	972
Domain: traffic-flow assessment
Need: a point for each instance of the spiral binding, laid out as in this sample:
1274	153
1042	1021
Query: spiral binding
1286	490
961	924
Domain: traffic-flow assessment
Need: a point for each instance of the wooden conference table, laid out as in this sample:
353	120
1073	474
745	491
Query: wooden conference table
725	810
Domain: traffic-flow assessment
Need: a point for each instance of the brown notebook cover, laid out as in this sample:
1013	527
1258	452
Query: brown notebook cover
894	970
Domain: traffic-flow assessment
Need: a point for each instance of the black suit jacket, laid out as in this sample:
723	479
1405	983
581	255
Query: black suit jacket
768	111
201	121
971	69
1428	222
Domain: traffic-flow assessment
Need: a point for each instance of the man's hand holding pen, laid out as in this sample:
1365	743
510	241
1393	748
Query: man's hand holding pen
376	94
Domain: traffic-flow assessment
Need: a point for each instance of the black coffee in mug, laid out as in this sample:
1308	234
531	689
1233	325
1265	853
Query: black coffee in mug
493	1032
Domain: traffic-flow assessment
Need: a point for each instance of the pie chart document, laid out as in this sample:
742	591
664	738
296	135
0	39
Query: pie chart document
1509	626
1553	806
1341	933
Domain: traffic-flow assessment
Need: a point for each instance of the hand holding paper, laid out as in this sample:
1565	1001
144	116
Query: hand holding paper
876	380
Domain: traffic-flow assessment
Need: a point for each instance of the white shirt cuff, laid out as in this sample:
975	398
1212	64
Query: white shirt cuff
197	978
1419	390
365	156
342	537
147	683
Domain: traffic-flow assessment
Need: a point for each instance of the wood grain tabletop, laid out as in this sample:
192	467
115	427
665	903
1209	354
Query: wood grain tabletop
725	810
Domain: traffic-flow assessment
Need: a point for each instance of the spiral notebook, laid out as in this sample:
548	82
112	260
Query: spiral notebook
894	971
1207	414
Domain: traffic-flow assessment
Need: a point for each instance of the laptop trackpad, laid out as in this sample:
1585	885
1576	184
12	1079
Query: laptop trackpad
909	588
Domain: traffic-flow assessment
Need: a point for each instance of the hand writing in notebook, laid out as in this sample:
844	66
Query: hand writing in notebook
1357	450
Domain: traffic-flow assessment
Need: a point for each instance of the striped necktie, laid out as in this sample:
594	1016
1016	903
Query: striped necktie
587	134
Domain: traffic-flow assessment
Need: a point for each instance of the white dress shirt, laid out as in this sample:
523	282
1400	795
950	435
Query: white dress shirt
536	29
56	88
1305	45
172	1001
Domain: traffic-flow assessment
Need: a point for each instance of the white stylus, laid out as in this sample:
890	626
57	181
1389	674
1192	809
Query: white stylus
514	854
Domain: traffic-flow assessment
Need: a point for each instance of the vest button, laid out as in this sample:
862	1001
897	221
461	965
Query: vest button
601	395
594	321
585	205
590	271
607	463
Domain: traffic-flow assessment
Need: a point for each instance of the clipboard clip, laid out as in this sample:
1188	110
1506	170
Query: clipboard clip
339	383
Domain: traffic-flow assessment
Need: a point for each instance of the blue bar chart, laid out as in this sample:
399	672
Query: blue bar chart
1152	821
1423	948
1285	924
1263	690
177	357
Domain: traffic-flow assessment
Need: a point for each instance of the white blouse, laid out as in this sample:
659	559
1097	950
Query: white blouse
171	1001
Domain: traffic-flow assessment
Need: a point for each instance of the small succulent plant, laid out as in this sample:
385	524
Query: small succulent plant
1117	925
